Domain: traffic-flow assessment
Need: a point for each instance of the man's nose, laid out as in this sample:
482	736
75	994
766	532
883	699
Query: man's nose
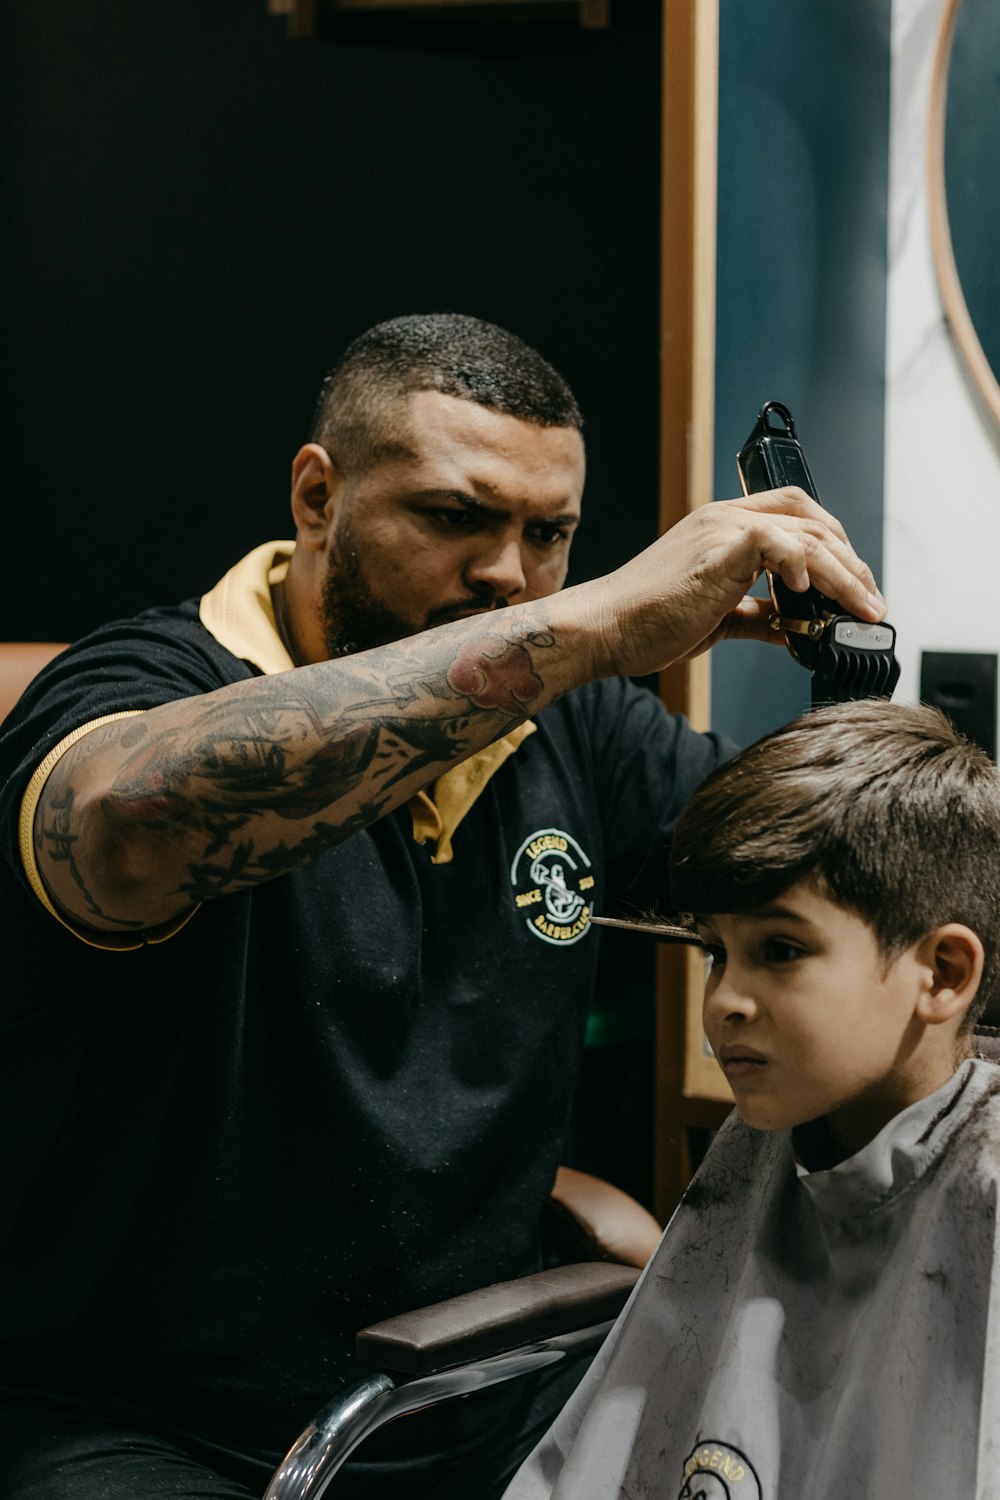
498	563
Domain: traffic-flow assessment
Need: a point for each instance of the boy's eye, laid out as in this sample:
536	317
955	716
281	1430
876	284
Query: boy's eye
716	955
779	951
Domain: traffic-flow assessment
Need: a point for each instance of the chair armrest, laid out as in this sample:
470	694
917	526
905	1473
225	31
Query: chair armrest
497	1319
20	661
598	1221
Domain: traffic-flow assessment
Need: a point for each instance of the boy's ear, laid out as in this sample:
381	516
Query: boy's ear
315	483
953	955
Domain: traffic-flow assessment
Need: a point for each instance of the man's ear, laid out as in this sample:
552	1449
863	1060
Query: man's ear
315	485
953	955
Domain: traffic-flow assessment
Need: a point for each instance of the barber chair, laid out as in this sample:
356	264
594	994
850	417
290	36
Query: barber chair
483	1338
20	661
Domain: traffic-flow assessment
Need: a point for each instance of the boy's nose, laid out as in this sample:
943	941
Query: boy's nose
727	1000
499	565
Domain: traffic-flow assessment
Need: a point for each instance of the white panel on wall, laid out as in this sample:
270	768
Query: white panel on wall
941	572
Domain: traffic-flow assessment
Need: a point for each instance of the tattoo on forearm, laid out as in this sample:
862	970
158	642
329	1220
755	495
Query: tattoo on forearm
59	840
246	868
296	745
499	675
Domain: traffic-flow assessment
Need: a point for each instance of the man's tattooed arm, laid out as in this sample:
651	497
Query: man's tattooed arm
146	816
142	818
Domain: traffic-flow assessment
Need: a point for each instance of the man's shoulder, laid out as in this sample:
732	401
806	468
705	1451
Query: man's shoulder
169	624
125	666
626	722
166	648
615	704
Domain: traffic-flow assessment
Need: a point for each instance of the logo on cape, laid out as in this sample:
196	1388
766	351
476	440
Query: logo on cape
551	878
718	1471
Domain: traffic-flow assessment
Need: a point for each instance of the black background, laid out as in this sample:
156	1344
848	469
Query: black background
200	212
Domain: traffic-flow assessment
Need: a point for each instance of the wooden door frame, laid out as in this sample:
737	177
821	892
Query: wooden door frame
690	1090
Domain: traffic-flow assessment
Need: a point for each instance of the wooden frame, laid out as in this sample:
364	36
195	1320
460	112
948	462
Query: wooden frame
955	306
691	1092
304	15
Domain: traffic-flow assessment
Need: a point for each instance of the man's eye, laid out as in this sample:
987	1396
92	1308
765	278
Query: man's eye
716	955
451	519
778	951
548	535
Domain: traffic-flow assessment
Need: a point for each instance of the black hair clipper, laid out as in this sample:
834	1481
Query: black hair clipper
849	658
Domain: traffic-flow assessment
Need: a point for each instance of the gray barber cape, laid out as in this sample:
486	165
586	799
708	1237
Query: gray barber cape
802	1335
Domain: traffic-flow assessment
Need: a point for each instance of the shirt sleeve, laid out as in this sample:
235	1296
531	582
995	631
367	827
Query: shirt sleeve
120	670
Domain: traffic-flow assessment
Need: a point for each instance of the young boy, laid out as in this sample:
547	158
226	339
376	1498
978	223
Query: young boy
818	1320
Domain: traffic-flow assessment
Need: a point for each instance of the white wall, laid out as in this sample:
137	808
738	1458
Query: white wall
941	572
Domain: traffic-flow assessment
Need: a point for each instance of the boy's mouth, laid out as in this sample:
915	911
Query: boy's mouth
739	1062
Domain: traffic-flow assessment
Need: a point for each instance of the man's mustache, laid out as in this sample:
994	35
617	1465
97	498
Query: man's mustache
487	600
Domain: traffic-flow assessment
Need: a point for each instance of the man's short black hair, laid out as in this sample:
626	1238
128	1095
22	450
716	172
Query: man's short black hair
359	416
886	807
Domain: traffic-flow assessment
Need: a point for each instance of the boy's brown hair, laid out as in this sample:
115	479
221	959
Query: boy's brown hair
890	811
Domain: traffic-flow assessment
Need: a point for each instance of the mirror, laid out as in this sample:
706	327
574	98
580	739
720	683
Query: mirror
964	137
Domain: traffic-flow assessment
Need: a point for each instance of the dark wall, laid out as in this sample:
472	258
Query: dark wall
200	212
803	184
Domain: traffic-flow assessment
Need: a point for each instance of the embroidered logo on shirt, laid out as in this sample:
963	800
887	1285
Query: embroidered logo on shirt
718	1471
551	879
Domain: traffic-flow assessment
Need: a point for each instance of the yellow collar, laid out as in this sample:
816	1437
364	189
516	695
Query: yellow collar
239	613
436	815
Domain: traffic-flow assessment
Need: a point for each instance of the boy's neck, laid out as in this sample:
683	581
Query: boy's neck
831	1139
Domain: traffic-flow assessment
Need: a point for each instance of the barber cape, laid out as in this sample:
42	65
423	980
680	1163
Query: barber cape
802	1335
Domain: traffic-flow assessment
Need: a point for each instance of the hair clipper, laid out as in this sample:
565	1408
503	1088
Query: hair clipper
849	658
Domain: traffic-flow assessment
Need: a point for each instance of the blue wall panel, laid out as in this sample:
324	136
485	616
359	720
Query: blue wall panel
803	182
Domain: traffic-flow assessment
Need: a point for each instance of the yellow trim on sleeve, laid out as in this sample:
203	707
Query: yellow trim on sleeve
110	941
437	814
238	612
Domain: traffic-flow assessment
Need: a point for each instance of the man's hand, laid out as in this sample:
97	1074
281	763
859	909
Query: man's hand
690	589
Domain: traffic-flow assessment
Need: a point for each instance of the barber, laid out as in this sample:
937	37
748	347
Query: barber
298	876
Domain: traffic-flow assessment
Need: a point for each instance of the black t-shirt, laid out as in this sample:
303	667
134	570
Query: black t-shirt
334	1097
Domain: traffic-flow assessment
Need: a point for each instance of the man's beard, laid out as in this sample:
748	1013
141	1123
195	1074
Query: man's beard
354	620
